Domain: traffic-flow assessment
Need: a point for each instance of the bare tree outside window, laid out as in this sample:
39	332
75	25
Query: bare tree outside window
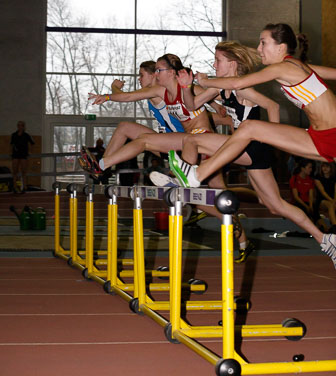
78	63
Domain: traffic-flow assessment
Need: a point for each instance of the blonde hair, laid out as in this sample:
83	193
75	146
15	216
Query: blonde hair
246	58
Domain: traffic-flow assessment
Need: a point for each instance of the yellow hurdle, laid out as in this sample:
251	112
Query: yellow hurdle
59	250
227	287
177	331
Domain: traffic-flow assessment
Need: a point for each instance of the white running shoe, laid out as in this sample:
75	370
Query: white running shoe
185	173
162	180
328	246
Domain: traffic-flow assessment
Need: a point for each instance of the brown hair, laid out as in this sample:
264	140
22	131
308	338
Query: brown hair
172	61
148	66
245	57
332	168
303	46
283	33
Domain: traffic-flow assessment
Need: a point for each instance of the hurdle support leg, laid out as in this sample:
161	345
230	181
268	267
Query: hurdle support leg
90	271
142	303
59	251
75	260
176	271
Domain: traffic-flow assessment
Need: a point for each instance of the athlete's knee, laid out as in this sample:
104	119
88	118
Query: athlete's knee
246	127
124	129
189	139
143	140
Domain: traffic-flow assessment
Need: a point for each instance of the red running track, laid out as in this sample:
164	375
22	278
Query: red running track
53	322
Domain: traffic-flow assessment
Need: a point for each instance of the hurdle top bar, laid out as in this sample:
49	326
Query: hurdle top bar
197	196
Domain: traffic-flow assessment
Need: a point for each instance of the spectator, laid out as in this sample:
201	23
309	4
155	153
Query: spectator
326	192
303	188
156	165
20	141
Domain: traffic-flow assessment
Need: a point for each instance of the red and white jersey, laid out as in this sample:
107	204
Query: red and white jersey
177	108
305	91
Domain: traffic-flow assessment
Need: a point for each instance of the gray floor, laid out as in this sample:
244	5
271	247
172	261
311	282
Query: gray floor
268	234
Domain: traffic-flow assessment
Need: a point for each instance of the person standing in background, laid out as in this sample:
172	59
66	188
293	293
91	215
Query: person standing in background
20	141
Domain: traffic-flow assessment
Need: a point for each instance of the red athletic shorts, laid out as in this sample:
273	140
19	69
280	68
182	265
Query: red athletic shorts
325	142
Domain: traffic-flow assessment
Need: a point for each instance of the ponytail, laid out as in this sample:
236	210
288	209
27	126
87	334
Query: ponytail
303	47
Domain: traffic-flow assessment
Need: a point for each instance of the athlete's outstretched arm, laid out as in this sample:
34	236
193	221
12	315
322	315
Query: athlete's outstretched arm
132	96
272	108
191	101
327	73
271	72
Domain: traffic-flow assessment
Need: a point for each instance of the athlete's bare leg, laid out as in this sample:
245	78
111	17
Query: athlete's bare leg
207	143
290	139
125	130
267	189
154	142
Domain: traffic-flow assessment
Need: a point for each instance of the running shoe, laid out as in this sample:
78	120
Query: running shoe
244	253
162	180
195	217
82	163
185	173
328	246
89	162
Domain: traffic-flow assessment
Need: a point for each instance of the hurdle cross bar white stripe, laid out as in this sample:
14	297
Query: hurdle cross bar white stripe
198	196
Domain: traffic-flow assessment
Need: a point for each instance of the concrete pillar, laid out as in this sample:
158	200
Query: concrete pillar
22	64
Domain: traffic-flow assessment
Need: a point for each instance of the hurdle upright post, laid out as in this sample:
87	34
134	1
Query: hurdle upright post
74	247
139	253
57	219
176	267
227	203
227	287
89	233
112	238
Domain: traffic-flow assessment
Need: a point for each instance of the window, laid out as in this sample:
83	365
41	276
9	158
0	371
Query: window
68	139
91	43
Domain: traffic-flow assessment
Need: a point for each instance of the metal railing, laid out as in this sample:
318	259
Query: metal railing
76	175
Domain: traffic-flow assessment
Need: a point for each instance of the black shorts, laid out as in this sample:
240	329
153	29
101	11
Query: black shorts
261	155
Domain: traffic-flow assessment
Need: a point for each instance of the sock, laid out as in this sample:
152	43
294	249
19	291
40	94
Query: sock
101	164
193	181
242	245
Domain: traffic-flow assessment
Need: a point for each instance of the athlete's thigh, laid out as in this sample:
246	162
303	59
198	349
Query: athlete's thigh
209	143
164	142
291	139
135	130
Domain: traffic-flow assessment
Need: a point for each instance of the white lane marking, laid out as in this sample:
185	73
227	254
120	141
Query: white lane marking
147	342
